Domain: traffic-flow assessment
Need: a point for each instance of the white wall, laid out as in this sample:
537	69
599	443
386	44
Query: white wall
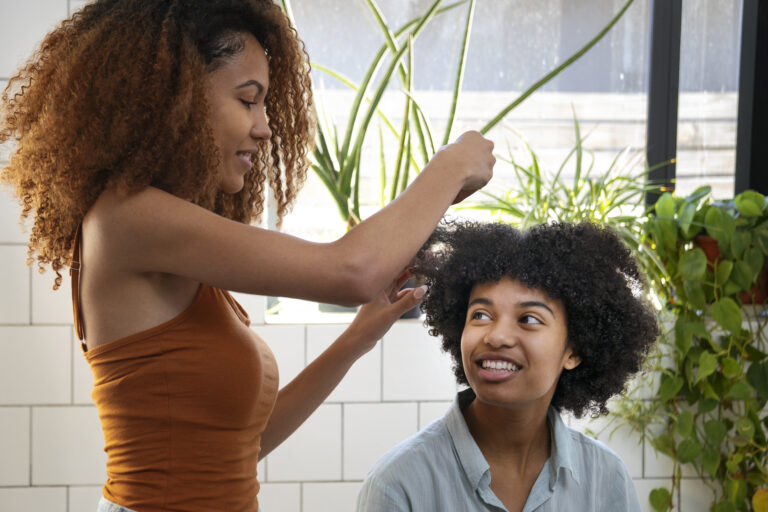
51	446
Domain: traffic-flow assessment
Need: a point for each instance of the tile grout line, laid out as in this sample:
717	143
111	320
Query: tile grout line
30	446
30	296
301	496
341	476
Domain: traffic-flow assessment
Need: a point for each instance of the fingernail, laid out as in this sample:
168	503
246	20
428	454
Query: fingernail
420	291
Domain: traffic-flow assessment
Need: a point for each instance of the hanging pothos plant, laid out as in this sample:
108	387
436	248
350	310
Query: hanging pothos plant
709	409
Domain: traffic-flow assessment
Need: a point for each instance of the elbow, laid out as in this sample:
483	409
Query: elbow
360	282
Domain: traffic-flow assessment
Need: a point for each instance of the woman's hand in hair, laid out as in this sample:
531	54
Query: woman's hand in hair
375	318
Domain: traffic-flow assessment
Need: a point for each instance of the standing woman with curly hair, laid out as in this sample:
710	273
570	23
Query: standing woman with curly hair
146	135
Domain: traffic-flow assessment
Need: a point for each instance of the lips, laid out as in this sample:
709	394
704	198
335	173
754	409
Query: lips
245	158
494	367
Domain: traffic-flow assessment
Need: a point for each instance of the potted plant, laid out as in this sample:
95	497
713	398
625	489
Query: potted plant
337	157
709	409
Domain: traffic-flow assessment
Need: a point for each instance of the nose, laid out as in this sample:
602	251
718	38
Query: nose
500	336
260	129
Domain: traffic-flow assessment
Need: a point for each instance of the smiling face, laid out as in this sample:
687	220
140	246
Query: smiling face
235	92
513	345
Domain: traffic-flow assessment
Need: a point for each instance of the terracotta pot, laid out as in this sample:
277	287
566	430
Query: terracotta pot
759	292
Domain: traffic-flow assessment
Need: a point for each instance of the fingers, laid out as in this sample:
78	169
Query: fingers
409	298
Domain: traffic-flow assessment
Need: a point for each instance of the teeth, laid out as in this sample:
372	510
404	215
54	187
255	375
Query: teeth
501	366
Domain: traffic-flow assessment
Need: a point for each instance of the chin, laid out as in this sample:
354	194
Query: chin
232	186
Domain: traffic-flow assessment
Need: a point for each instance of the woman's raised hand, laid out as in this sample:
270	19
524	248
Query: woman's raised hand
471	154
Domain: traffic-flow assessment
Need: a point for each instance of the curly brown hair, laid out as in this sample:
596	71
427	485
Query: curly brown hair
114	97
611	326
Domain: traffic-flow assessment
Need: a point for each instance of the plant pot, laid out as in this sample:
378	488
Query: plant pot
757	294
325	307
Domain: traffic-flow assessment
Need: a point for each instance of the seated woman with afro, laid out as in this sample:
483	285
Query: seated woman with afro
537	322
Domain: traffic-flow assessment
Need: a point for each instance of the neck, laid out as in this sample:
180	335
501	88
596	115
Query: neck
515	437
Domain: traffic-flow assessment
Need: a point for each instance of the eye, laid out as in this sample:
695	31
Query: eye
479	315
530	319
249	104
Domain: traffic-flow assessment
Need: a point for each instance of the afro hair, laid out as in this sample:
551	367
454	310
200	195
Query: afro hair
610	324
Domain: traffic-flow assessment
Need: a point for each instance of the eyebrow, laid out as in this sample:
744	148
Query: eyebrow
526	304
256	83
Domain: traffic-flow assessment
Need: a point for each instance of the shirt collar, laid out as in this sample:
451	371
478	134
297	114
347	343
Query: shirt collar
471	458
563	455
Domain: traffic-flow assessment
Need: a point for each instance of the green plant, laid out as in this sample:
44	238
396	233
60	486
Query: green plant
614	197
338	152
709	411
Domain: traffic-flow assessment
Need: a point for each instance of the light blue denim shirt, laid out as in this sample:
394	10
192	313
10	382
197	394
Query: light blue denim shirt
442	469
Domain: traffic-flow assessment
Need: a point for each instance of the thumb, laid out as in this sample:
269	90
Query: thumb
410	298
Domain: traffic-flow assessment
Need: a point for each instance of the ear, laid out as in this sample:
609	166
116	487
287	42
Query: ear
570	359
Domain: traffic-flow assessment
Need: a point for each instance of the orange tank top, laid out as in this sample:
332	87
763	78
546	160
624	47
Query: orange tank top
183	406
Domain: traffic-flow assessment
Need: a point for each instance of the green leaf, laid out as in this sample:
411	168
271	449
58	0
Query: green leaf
665	206
723	272
720	225
742	275
736	490
745	427
660	499
663	444
685	217
739	243
754	257
725	506
741	390
683	335
685	423
728	314
750	203
694	292
715	431
688	450
730	288
760	236
757	376
707	404
730	366
709	391
666	234
707	365
670	387
732	465
693	265
710	459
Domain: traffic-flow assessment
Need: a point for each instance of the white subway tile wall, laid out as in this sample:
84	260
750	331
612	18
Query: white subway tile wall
282	497
51	445
330	496
363	381
37	499
370	430
313	452
14	446
67	446
82	498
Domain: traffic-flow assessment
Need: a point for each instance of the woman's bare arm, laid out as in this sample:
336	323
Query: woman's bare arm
153	231
300	397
